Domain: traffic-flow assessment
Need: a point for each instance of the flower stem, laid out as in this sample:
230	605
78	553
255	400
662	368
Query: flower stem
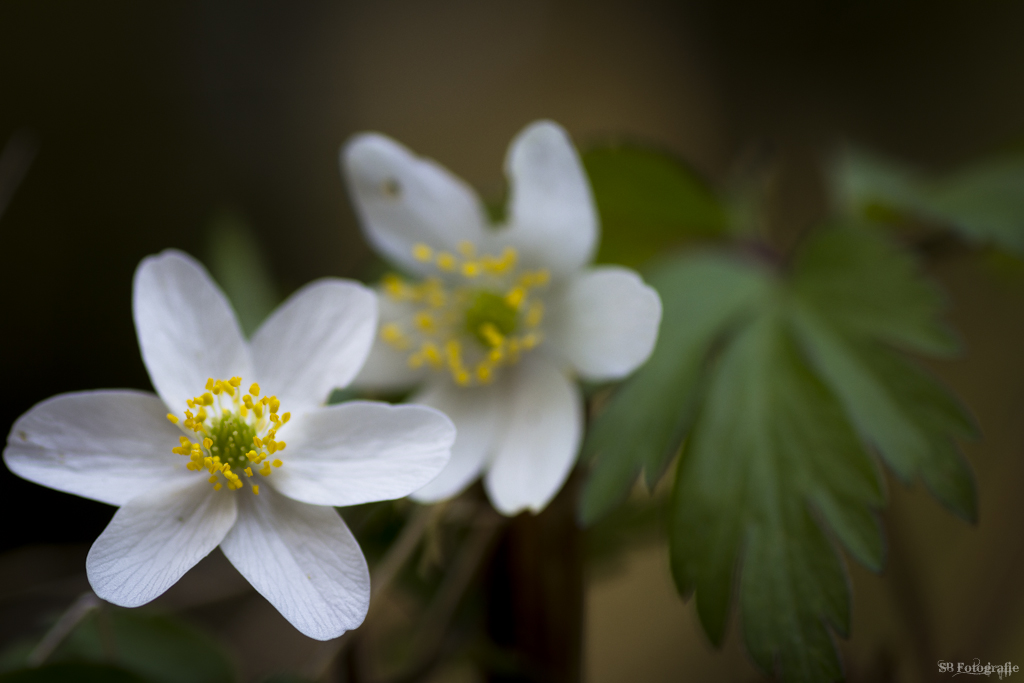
73	615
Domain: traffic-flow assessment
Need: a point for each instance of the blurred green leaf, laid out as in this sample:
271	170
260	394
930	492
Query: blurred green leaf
72	673
648	201
157	647
646	418
782	389
983	203
237	263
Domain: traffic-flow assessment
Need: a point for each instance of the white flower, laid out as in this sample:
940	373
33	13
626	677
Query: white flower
226	435
500	318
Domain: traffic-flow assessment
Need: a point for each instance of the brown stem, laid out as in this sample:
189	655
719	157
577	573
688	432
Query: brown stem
535	595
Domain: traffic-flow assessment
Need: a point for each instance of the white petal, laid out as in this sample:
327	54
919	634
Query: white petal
403	200
187	330
552	216
387	368
104	445
155	538
605	322
478	418
315	341
303	560
362	451
537	452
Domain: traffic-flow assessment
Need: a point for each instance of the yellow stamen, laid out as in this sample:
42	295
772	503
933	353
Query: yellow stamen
173	418
446	261
422	252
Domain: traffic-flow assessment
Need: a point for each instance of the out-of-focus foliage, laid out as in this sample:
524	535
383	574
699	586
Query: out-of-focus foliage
73	673
142	645
779	384
238	266
983	203
648	202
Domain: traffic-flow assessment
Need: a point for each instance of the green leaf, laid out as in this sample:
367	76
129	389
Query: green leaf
237	264
644	422
983	203
648	201
72	673
770	449
782	388
157	647
868	289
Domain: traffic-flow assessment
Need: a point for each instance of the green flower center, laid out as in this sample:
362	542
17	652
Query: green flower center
232	439
487	313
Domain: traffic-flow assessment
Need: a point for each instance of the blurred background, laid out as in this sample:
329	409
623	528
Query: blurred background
130	128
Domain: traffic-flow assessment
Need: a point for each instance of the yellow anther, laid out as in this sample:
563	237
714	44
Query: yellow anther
248	471
492	334
209	384
191	402
446	261
184	441
275	419
496	354
471	269
256	489
247	401
467	248
425	321
207	399
254	389
173	418
432	354
201	415
265	470
394	286
392	334
213	479
281	445
277	463
285	417
535	315
274	404
235	381
257	441
461	377
272	447
422	252
208	443
257	408
515	297
484	372
217	486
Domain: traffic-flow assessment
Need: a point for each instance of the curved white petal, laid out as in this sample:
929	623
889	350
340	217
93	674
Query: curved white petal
403	200
604	322
387	368
303	560
552	217
155	538
363	451
479	421
187	330
315	341
105	445
538	449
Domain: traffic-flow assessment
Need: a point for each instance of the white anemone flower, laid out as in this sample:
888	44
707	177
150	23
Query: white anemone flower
497	321
205	462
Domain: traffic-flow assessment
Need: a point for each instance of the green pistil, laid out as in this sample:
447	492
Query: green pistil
232	439
488	307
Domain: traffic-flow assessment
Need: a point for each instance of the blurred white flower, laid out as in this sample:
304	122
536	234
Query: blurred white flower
499	320
204	463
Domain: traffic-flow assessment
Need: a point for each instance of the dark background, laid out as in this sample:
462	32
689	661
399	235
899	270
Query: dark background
150	119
